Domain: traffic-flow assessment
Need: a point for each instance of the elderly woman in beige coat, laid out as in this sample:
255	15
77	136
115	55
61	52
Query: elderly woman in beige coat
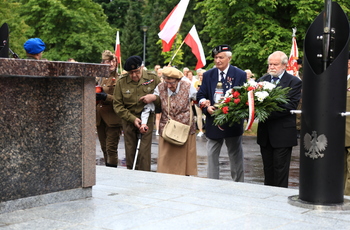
174	159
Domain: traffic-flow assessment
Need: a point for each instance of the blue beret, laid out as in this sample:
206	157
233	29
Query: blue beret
221	48
34	46
133	62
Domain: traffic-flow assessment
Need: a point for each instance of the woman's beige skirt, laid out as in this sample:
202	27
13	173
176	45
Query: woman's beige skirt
174	159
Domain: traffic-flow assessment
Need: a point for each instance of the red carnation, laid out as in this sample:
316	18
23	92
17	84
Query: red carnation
227	100
236	94
236	101
250	88
225	109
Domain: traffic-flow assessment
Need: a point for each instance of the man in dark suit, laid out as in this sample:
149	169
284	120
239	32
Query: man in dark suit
277	135
222	78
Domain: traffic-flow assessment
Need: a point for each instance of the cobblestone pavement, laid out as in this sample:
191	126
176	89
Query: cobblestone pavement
252	160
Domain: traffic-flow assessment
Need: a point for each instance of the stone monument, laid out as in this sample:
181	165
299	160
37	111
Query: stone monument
47	131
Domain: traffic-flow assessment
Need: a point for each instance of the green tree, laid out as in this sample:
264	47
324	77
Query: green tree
154	14
70	28
115	11
192	17
170	57
254	29
81	29
9	12
131	40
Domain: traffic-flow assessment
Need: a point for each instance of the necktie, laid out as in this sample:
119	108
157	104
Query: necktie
275	79
222	77
224	82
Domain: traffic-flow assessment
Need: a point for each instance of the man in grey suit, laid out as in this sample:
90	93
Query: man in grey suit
277	135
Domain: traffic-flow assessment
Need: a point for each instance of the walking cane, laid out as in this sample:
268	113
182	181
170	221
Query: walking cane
144	118
139	136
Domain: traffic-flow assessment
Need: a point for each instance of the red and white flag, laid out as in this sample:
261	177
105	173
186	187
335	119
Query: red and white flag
171	25
192	40
167	46
117	49
292	67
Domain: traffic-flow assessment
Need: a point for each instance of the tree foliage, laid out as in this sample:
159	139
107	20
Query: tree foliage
174	58
132	37
70	28
115	11
155	13
82	29
255	28
17	26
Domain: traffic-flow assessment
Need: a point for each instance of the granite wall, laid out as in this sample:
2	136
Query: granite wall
47	126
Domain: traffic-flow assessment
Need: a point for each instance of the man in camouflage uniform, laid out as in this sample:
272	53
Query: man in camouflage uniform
109	125
136	83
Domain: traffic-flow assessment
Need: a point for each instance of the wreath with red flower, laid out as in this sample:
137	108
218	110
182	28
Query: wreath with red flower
265	98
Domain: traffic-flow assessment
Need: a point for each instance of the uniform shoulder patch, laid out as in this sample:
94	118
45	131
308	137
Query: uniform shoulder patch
123	75
151	74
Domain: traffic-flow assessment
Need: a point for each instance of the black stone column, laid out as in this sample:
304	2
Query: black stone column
4	41
323	100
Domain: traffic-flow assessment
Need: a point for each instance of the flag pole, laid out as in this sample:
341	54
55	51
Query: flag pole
120	63
294	30
118	52
292	66
176	52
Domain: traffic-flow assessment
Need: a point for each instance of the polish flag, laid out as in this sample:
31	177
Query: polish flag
192	40
167	46
171	25
292	67
117	49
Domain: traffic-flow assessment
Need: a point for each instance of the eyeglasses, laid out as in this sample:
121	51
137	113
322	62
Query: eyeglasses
170	83
134	71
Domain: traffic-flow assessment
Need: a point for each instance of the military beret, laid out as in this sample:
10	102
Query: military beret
34	46
107	55
221	48
133	62
172	72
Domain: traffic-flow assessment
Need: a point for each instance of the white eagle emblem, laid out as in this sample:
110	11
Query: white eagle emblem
315	145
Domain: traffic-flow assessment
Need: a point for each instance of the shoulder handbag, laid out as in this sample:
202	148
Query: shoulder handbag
175	132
